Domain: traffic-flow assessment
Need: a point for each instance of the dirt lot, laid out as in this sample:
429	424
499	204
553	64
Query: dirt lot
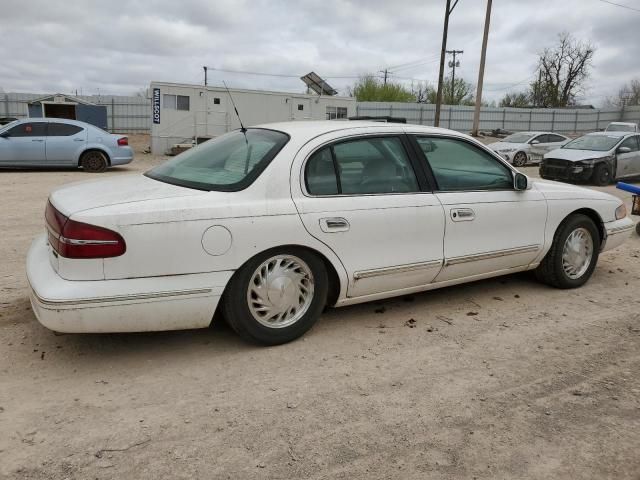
503	378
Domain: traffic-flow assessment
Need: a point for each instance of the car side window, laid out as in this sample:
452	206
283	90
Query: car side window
35	129
359	167
62	130
541	139
555	138
460	166
632	143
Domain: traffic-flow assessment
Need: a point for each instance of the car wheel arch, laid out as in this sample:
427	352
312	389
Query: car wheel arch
594	216
335	282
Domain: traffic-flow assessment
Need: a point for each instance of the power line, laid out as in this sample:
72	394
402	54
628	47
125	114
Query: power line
620	5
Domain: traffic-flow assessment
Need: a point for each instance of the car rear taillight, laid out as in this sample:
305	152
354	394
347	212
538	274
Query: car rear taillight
72	239
123	142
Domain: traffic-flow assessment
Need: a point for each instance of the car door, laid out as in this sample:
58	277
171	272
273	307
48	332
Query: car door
64	143
628	163
490	226
23	145
363	197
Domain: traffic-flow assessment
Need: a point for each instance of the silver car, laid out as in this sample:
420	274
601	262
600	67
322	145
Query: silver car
53	142
527	147
599	157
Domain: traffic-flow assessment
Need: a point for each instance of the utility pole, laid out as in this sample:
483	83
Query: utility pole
205	76
447	12
453	65
483	56
386	72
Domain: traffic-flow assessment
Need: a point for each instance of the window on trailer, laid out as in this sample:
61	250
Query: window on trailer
175	102
336	112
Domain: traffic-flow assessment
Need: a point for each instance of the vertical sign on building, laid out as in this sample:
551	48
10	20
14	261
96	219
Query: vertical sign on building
156	105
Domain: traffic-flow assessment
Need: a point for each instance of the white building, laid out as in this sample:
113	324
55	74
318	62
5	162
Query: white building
182	112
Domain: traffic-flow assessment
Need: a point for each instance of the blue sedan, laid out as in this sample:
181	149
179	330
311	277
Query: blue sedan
53	142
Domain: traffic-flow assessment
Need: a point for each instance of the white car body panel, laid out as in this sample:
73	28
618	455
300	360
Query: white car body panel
533	151
183	245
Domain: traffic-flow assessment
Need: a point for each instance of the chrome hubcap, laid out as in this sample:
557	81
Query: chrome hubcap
280	291
577	253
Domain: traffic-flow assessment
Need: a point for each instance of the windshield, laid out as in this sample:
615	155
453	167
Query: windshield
227	163
518	138
620	128
598	143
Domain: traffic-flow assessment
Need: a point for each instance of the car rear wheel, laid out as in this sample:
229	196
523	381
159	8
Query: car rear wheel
94	162
601	175
573	255
520	159
276	296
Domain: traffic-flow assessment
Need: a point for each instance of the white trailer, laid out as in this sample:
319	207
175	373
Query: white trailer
182	113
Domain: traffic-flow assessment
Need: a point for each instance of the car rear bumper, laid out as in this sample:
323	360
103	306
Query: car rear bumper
617	233
122	156
129	305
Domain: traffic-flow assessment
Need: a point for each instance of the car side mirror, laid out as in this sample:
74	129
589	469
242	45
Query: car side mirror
624	150
520	181
535	142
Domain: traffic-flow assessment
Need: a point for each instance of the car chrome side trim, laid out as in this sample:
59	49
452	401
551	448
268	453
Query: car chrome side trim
120	298
491	255
375	272
618	230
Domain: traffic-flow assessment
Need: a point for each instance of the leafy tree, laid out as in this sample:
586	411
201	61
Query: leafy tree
460	94
563	71
423	92
516	99
371	89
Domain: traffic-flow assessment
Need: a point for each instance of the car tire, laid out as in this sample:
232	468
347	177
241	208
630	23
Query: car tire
277	296
601	175
94	162
565	265
520	159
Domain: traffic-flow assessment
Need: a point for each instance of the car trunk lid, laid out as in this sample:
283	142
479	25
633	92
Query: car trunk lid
77	197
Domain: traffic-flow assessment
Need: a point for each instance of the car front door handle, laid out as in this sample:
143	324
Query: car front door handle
334	224
37	140
78	139
462	215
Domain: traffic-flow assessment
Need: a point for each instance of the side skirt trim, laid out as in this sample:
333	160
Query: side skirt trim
490	255
397	269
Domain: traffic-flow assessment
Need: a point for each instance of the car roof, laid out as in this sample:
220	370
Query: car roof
56	120
611	134
313	128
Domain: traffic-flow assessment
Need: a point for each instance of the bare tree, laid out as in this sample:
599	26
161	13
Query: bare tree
422	91
628	95
563	70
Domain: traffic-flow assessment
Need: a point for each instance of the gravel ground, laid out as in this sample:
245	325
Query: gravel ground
503	378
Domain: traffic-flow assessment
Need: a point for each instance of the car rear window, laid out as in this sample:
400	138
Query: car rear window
62	130
227	163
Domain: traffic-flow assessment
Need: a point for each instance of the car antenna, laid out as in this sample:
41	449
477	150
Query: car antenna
242	129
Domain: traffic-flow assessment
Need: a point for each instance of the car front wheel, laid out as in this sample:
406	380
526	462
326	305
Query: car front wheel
573	255
277	296
601	175
520	159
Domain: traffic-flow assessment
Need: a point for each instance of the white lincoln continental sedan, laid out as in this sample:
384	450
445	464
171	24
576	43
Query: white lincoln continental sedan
271	224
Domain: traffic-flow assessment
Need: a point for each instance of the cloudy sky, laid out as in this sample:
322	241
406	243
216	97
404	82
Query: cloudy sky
119	46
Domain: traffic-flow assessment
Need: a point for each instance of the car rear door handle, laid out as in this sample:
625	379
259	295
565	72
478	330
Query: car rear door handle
462	214
334	224
37	140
